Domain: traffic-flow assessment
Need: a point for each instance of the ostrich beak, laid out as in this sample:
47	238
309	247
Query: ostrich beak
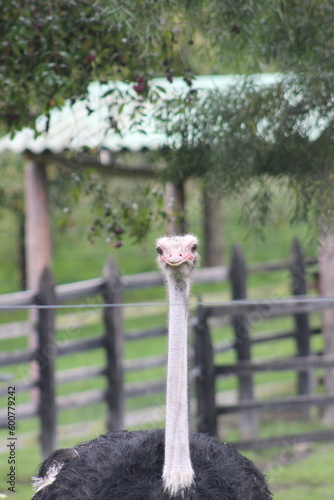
176	260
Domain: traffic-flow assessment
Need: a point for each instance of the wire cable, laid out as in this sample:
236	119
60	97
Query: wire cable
328	301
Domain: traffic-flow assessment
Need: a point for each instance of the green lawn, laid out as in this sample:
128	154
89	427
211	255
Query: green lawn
294	472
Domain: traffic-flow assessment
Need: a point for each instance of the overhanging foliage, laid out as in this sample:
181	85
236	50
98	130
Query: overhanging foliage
51	52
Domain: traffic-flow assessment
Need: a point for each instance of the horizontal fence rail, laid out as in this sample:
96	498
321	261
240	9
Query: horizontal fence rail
278	404
271	308
295	364
92	287
287	439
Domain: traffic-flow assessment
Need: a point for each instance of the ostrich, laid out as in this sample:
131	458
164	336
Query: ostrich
157	464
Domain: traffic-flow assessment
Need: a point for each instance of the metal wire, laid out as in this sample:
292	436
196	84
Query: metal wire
256	302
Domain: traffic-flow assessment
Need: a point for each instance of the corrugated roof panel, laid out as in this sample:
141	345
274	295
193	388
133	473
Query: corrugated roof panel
74	127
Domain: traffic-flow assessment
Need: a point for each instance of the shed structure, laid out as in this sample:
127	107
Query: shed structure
85	134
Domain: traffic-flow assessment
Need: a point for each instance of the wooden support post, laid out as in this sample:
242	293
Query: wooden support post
238	278
22	260
205	376
38	239
212	228
175	207
113	322
45	355
37	242
302	328
326	265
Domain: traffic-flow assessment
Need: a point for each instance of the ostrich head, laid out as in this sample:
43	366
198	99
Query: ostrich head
177	255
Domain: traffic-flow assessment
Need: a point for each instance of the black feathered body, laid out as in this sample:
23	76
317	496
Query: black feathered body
128	466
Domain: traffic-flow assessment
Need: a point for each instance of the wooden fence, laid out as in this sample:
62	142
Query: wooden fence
110	288
241	313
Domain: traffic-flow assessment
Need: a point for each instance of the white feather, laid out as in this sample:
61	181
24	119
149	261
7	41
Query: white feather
38	483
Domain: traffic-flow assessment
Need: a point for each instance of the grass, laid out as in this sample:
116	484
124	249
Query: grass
302	471
294	472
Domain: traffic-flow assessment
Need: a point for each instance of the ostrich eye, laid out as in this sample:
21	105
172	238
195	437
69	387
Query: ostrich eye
194	247
159	250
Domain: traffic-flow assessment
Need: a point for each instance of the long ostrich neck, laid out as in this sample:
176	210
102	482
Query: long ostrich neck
178	473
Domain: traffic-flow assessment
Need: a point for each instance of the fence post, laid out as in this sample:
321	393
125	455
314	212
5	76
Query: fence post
45	356
326	268
205	375
238	279
113	324
302	329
